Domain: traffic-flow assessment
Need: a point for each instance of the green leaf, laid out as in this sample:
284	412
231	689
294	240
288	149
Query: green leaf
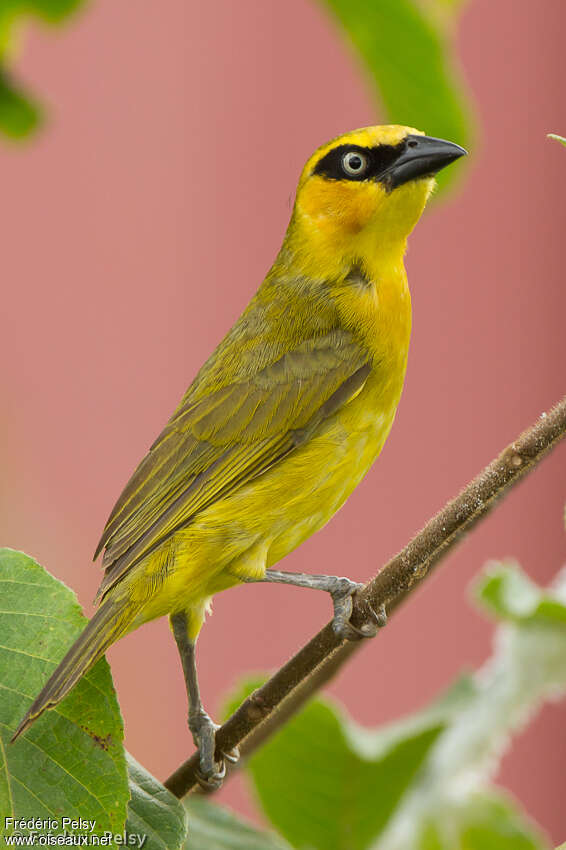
508	593
215	828
70	763
19	115
423	783
451	803
485	821
53	11
443	6
14	12
562	140
154	812
411	64
326	783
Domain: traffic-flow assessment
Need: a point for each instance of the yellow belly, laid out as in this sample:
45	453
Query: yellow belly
242	535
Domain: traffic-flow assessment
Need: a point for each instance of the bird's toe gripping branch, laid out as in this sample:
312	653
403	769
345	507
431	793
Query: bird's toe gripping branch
212	768
343	595
342	590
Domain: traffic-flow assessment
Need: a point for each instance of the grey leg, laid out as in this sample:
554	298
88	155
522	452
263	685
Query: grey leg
201	726
341	591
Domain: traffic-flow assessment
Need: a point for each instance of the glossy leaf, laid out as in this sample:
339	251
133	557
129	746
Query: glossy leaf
70	763
153	812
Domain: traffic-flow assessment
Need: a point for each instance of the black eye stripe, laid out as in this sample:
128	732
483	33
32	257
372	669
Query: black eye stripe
379	159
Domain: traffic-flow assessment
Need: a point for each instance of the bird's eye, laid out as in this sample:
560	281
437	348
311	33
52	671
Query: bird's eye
354	163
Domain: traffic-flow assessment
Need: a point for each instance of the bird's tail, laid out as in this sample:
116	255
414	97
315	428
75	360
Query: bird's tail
109	623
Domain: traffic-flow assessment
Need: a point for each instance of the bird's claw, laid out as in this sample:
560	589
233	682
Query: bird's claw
211	781
211	772
233	755
343	607
347	631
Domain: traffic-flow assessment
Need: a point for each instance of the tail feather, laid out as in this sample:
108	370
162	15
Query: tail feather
108	624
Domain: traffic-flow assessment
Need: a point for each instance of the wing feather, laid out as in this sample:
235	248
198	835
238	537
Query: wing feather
215	444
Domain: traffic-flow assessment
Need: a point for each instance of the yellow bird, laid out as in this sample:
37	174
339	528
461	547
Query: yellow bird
282	421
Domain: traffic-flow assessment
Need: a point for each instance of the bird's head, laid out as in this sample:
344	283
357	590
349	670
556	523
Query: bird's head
365	191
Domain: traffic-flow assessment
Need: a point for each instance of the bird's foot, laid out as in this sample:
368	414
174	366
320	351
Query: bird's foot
342	595
211	773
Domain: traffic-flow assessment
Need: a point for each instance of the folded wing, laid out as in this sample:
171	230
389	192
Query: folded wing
225	439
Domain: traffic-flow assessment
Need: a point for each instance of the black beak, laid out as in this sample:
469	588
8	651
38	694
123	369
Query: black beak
420	156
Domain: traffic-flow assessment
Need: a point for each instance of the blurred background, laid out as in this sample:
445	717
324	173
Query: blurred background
135	226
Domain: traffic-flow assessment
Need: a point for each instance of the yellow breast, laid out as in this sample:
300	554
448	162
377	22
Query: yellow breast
254	527
282	510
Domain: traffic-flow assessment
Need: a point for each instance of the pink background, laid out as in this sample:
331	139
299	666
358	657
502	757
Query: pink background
135	229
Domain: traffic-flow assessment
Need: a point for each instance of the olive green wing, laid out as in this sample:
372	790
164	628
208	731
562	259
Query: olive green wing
225	439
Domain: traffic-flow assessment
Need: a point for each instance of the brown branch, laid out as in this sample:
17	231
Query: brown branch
269	706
